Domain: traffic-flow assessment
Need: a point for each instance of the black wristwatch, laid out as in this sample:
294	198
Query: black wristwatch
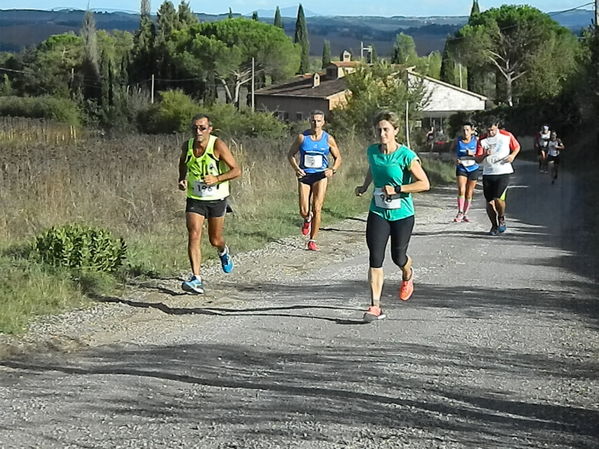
398	189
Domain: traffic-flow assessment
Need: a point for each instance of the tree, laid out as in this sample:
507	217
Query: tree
278	21
475	9
185	15
373	55
143	59
255	16
326	53
230	13
518	43
301	38
404	50
450	66
224	50
90	68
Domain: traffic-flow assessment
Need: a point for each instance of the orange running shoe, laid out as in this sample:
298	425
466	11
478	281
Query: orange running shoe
306	226
312	246
373	313
407	288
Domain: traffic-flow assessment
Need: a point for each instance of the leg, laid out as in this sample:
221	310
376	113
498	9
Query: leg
377	235
319	190
216	226
470	186
401	232
194	233
461	184
492	213
304	191
489	184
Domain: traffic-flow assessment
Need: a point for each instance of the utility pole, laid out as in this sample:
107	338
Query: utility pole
152	91
407	124
597	14
253	83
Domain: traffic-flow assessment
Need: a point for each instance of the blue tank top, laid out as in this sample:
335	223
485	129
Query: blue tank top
314	154
462	149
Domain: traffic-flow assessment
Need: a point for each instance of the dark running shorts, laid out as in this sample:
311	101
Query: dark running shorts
553	159
311	178
472	176
495	186
208	209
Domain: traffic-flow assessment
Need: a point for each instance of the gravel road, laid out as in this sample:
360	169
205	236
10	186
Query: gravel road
498	348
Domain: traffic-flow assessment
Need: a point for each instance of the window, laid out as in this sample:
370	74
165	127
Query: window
299	116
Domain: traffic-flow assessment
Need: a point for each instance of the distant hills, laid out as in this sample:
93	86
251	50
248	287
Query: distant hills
21	28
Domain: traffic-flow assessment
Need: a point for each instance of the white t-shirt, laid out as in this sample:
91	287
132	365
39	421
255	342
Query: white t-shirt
499	148
552	149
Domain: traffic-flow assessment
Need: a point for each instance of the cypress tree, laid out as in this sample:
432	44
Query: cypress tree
230	15
326	53
142	58
373	56
475	9
301	38
185	15
278	22
91	67
255	16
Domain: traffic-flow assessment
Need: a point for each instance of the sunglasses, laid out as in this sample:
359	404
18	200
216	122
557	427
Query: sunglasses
201	128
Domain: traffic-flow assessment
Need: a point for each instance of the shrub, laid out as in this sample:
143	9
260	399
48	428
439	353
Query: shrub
172	114
79	246
51	108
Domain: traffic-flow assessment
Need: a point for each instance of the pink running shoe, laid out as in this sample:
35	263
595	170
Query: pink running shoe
459	217
306	226
407	288
373	313
312	246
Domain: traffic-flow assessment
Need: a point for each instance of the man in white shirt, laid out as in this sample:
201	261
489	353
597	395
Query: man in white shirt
496	151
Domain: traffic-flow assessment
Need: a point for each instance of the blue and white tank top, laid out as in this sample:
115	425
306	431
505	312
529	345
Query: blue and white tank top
314	154
466	162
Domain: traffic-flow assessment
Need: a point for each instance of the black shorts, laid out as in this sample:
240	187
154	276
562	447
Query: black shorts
208	209
553	159
495	186
311	178
471	175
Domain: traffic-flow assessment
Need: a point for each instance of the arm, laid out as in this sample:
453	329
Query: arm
364	187
223	153
336	154
514	149
420	183
183	168
291	156
560	145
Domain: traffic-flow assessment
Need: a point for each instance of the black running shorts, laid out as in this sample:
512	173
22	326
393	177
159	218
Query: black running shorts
471	175
208	209
495	186
312	178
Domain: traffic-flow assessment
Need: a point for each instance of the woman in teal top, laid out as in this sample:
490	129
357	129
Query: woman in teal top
396	173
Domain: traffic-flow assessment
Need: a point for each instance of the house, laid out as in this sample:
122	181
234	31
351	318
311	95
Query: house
295	99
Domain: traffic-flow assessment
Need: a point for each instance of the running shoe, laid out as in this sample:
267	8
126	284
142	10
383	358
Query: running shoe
459	217
373	313
226	261
193	285
466	219
502	227
312	246
407	288
306	226
494	231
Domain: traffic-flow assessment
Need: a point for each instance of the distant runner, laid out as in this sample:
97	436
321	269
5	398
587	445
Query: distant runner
497	150
467	170
541	141
554	147
206	166
313	170
397	173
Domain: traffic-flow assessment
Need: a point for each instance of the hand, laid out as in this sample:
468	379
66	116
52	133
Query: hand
470	153
329	172
509	159
389	190
210	180
359	191
183	184
300	173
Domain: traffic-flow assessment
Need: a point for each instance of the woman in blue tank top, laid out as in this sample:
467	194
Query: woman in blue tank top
467	170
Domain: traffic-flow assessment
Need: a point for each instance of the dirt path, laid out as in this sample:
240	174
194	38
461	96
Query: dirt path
498	348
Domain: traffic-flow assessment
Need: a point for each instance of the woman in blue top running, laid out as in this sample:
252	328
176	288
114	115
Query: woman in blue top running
396	173
467	170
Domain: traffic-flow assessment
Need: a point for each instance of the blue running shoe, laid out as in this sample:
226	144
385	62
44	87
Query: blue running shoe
502	227
494	231
194	285
226	261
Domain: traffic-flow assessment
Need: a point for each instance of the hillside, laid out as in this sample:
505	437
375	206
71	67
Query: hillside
22	28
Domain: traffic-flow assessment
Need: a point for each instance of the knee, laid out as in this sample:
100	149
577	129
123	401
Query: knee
194	235
217	241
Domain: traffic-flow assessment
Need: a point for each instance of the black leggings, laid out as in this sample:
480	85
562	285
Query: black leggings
378	231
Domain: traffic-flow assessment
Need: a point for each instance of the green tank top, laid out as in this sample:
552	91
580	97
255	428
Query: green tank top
198	167
391	169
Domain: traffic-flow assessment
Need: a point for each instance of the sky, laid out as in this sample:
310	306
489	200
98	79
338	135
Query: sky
330	7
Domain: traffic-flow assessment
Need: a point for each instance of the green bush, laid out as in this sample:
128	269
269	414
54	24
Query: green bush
172	114
78	246
50	108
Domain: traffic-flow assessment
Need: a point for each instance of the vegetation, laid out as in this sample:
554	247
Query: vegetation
301	39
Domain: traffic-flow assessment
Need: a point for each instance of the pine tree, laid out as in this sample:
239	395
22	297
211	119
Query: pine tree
301	38
185	15
143	54
475	9
278	22
90	67
255	16
373	56
230	14
326	53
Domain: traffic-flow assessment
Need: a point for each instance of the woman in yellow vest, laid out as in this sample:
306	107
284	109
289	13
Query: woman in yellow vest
205	168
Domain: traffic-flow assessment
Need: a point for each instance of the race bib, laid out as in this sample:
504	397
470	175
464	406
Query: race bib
313	160
386	202
467	162
202	190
